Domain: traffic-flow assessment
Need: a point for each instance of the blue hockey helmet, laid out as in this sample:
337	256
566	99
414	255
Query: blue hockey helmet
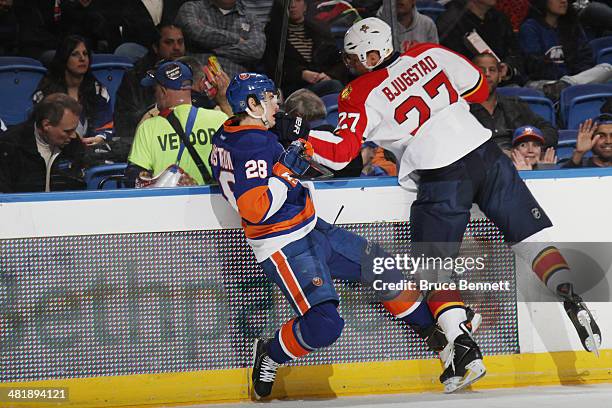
245	84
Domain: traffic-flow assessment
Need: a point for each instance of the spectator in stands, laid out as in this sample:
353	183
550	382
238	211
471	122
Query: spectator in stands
40	27
527	149
595	16
502	114
222	28
133	100
70	73
516	10
462	17
2	126
156	145
44	153
557	50
136	20
595	136
200	92
413	26
311	58
8	28
260	9
89	19
307	105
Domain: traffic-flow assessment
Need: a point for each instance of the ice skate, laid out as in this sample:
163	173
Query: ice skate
264	369
581	317
462	361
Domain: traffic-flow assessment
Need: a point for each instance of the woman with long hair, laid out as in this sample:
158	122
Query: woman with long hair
557	50
70	73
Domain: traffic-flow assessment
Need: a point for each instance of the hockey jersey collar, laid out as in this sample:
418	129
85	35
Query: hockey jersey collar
231	126
388	62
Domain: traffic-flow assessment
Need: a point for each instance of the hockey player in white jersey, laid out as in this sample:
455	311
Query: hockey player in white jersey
416	106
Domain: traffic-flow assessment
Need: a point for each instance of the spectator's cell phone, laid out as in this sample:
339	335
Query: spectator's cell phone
475	43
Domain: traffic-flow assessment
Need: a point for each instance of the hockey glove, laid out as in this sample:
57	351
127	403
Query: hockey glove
294	161
289	129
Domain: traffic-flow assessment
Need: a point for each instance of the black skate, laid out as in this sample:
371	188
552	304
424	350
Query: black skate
581	317
434	336
264	369
462	361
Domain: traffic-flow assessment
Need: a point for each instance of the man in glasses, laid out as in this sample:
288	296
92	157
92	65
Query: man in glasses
157	145
593	136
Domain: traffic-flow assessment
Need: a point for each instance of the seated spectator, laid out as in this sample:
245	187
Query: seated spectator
503	114
413	26
133	100
157	145
595	136
40	27
90	20
260	9
595	16
527	149
307	105
201	95
222	28
44	153
557	51
465	16
311	61
70	73
516	10
8	28
136	20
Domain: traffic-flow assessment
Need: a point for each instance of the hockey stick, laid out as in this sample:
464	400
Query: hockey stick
278	74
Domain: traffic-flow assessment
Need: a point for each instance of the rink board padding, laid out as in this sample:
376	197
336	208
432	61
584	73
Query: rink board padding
123	304
323	381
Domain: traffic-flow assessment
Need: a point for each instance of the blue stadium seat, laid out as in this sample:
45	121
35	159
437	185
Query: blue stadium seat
19	78
564	153
109	70
536	100
599	44
132	51
330	101
331	105
567	137
581	102
332	117
106	176
604	56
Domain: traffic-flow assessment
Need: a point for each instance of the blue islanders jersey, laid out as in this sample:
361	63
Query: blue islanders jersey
273	213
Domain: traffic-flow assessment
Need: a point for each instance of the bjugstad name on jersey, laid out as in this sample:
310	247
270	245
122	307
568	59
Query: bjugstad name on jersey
407	78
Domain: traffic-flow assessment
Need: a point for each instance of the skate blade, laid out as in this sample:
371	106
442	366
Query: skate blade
585	321
474	371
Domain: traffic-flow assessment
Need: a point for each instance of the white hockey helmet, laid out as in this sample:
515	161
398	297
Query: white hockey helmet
369	34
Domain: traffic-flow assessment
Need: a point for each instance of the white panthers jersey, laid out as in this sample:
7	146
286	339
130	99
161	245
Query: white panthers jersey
415	106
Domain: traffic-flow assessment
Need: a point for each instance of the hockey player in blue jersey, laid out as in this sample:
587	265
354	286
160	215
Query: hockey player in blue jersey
298	251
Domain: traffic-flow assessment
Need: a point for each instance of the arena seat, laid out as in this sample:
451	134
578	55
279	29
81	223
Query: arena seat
536	100
19	78
581	102
105	177
109	70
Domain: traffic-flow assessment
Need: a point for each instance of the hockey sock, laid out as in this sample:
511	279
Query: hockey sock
285	346
319	327
449	321
449	310
545	260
